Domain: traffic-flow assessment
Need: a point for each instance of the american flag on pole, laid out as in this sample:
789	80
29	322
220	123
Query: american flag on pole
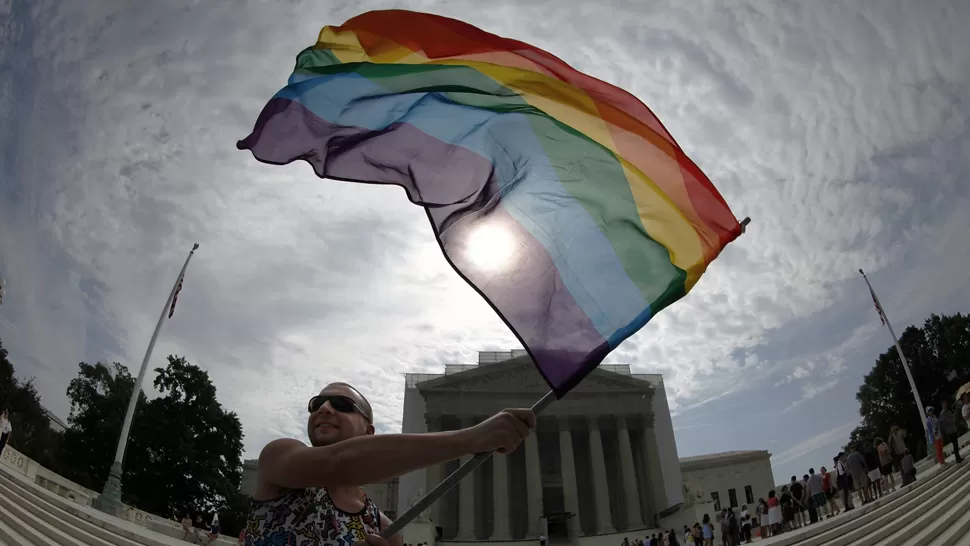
175	298
875	301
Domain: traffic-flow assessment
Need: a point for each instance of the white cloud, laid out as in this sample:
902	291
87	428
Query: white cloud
809	446
841	132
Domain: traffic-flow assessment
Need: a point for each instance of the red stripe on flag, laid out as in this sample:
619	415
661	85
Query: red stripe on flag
882	317
175	298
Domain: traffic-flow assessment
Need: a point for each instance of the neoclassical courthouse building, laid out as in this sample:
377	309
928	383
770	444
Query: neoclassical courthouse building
603	459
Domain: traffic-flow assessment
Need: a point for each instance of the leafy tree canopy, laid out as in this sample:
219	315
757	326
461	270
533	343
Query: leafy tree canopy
184	452
32	434
939	356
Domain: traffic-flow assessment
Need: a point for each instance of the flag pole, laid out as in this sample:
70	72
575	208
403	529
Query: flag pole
899	349
110	498
471	464
452	480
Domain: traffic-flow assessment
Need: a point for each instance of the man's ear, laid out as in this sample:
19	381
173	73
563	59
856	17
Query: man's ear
370	429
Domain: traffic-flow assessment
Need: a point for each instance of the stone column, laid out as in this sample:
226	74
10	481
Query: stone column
604	519
434	474
466	496
500	497
628	475
570	491
656	491
533	480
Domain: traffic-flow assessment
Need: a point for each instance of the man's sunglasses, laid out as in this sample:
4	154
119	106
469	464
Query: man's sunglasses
339	403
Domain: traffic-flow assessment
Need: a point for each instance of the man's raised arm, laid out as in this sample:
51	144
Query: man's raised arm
292	464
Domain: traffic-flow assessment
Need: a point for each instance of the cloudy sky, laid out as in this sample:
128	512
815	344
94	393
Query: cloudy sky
841	128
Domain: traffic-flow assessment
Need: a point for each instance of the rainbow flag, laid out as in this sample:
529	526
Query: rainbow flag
560	198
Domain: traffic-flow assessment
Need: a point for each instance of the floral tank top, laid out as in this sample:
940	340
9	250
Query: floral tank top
308	517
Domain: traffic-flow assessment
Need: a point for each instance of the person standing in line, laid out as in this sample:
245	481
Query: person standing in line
807	502
948	427
745	524
763	519
897	444
885	466
794	515
707	530
5	430
860	476
934	439
908	468
816	484
872	466
774	514
844	481
831	492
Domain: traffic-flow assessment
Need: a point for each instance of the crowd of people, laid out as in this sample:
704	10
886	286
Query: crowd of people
868	470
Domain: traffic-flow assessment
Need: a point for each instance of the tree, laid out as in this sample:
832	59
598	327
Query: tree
32	434
938	354
184	452
99	399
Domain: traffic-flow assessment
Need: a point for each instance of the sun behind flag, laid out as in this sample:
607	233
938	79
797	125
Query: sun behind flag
560	198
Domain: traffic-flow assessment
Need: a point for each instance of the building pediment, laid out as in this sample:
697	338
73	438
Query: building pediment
519	375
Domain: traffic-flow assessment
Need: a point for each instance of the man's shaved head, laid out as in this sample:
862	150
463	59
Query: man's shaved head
360	399
326	425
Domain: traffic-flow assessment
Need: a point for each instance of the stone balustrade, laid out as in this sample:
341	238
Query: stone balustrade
13	460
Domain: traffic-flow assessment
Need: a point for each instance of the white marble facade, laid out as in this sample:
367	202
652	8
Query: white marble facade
602	460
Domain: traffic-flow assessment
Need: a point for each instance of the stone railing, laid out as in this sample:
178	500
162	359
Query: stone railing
55	483
47	478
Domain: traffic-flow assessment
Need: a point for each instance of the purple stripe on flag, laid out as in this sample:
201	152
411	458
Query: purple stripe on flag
401	154
526	289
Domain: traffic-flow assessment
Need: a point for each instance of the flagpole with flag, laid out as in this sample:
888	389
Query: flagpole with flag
899	349
110	498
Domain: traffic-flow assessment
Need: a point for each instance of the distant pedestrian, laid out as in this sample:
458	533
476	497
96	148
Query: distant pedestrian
707	530
897	445
844	481
872	466
774	513
885	466
908	467
934	439
817	486
860	476
831	492
745	524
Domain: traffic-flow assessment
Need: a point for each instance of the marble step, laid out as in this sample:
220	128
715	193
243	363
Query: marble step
939	520
80	522
825	530
925	519
59	526
882	519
